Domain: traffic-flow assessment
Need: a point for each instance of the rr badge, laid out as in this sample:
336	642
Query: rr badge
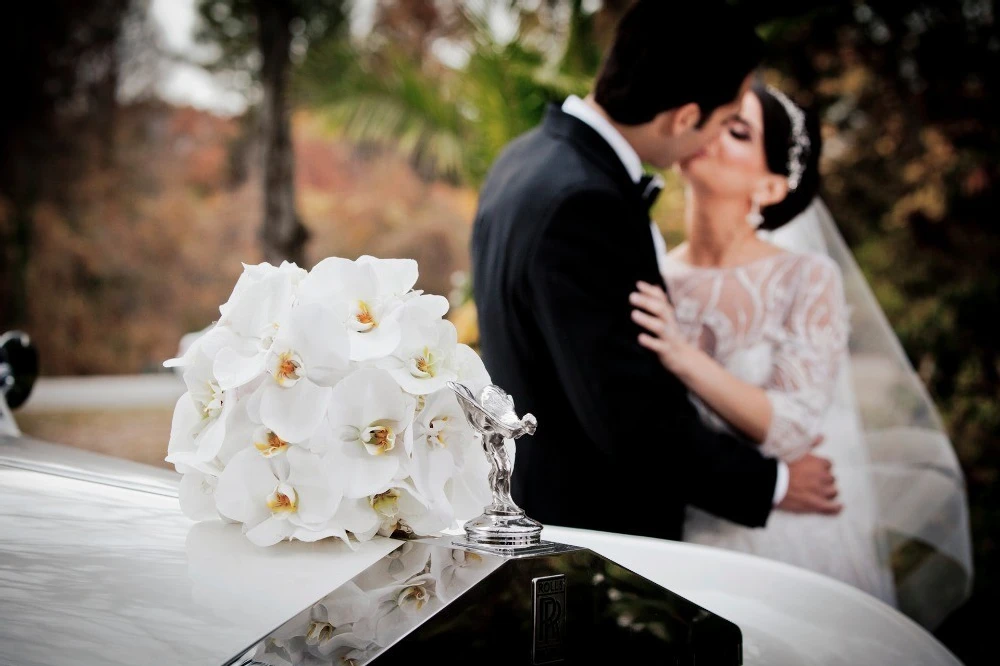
549	593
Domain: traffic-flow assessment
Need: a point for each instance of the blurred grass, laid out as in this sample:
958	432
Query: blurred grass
136	434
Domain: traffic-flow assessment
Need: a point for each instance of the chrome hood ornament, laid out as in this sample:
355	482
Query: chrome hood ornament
503	524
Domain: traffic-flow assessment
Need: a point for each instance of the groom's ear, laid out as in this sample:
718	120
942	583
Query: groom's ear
681	120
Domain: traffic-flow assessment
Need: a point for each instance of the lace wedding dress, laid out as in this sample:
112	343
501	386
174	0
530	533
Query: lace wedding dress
781	323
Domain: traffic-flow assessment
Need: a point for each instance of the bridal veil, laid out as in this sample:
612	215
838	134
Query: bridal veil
922	510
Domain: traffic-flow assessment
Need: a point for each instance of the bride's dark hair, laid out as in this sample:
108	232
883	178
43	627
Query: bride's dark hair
779	140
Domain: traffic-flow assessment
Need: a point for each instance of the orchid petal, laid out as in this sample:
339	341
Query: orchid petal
377	342
295	412
243	487
196	492
435	306
185	419
470	369
263	305
270	532
395	276
233	369
210	440
468	491
317	334
367	474
358	517
319	492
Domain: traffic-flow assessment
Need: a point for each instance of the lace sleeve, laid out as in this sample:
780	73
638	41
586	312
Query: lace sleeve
812	344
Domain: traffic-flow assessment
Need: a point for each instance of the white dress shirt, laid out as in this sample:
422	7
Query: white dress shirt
576	107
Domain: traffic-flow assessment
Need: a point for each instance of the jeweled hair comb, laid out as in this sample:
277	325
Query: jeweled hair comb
800	138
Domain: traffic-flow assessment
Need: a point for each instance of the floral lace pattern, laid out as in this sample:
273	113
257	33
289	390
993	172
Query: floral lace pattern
779	323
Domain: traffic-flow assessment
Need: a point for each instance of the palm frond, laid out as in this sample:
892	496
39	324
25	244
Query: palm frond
387	101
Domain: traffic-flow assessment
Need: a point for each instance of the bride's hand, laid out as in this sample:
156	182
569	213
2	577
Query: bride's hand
655	314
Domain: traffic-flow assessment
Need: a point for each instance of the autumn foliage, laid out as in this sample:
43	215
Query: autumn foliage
127	257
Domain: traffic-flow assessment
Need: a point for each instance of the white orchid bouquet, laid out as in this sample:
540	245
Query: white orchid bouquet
317	406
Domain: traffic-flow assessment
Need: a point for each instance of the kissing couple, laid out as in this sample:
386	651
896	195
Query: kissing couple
689	394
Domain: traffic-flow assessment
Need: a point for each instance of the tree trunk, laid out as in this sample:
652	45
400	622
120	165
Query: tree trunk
282	234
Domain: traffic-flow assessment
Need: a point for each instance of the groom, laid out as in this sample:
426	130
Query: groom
561	237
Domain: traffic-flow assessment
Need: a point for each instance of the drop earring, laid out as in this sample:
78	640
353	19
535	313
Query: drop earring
754	217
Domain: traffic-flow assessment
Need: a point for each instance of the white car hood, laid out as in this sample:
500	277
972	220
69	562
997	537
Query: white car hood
99	566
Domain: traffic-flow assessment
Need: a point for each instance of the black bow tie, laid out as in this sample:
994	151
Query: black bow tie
649	186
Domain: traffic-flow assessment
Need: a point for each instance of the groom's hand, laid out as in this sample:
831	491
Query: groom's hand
812	487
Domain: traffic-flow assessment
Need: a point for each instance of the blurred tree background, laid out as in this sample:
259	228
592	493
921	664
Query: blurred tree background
124	218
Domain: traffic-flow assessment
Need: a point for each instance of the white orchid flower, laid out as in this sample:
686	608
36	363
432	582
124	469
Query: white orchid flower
408	560
468	490
370	293
257	314
206	343
327	640
254	274
200	452
369	419
301	505
329	625
344	606
196	493
403	606
356	518
196	490
401	510
202	413
440	424
424	360
305	360
458	570
344	647
448	466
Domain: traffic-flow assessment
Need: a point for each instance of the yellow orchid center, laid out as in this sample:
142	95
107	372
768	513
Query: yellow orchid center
287	366
283	501
214	398
287	369
436	432
362	318
423	365
268	443
378	439
415	596
319	632
365	316
385	504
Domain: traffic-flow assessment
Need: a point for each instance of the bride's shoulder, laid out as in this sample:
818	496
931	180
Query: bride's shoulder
815	264
816	275
818	266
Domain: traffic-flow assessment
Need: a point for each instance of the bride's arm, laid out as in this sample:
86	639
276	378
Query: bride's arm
784	415
744	406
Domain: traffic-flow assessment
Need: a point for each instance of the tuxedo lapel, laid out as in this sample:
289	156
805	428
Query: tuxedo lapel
591	144
587	141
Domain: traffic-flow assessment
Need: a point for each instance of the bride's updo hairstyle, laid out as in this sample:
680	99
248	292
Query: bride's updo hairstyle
792	145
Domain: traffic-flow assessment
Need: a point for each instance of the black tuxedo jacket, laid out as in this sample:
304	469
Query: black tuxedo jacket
561	236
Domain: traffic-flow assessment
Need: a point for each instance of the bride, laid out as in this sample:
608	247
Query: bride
760	337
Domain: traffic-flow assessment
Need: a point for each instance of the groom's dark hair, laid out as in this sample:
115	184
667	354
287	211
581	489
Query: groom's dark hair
662	58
